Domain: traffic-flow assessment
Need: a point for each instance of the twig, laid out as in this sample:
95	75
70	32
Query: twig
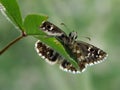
12	42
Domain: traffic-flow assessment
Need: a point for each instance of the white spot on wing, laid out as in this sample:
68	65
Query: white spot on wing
43	57
99	51
70	71
36	44
78	51
89	48
90	64
51	27
39	54
83	70
43	28
50	62
53	34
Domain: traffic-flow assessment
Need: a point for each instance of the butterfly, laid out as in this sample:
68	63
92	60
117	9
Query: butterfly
85	54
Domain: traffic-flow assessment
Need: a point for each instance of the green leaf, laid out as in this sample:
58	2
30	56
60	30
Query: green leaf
32	24
13	12
57	46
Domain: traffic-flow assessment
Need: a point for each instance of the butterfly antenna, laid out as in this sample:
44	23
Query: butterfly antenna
65	26
88	38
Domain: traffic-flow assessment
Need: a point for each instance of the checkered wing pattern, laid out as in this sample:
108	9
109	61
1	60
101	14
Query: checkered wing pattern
51	29
86	54
52	57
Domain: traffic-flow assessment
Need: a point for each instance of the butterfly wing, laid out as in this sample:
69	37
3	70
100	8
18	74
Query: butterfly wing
51	29
52	57
87	54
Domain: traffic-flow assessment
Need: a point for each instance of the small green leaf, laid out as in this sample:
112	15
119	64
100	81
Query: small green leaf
32	24
13	12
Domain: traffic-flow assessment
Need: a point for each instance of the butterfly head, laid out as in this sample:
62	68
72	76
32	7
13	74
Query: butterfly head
72	37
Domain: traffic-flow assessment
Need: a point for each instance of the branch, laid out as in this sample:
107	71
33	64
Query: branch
12	42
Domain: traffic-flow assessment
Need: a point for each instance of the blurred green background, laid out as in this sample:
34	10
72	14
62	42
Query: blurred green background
22	69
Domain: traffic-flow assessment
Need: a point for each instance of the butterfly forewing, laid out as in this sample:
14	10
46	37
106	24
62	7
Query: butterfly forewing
51	29
87	54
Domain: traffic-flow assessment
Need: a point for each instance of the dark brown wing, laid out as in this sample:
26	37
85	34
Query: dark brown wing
87	54
52	57
51	29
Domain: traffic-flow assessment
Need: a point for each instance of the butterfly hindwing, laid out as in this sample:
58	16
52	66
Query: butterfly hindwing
52	57
46	53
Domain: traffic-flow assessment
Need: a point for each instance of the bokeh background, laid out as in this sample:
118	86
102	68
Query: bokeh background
22	69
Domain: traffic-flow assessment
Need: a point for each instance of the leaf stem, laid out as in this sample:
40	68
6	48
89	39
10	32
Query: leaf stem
12	42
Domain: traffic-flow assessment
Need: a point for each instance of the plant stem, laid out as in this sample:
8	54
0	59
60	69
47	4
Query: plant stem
11	43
